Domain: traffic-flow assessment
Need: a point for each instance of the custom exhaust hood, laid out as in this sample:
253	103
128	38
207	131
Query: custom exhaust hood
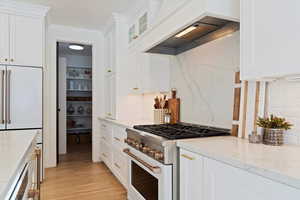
203	31
190	23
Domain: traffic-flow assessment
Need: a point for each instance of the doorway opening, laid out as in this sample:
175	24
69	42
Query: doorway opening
74	102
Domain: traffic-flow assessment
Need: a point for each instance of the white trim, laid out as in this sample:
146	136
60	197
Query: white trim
25	9
58	33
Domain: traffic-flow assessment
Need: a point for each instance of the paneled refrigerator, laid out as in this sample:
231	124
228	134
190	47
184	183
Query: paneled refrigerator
21	100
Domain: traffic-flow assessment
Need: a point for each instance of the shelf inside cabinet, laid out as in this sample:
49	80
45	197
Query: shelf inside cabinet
79	115
80	79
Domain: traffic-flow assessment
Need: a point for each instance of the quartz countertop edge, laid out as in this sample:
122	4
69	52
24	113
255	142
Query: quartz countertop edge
14	146
280	164
126	123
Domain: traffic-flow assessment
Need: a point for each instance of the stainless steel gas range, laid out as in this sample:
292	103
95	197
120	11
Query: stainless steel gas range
154	159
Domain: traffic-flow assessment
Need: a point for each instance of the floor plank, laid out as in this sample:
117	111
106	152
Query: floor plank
77	178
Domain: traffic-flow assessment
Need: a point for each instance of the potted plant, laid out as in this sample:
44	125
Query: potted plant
273	129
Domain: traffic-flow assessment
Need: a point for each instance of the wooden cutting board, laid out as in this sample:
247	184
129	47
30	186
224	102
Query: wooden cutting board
174	108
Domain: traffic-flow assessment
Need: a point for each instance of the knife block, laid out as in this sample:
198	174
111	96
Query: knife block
174	108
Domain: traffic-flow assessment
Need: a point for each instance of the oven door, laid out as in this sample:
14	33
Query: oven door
148	178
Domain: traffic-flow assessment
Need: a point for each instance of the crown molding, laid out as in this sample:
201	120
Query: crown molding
25	9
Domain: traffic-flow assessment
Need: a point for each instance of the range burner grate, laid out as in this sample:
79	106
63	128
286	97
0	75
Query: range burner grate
182	131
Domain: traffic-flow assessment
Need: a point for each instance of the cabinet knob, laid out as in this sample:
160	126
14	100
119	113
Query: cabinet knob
6	59
11	60
109	71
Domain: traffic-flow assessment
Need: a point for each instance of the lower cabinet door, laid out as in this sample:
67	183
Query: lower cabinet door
224	182
191	176
120	166
24	97
105	154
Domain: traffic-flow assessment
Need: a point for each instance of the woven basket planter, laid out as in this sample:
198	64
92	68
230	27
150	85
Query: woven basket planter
273	137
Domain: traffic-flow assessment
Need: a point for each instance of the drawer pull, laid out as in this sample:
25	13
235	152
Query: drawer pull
118	139
117	165
187	157
104	155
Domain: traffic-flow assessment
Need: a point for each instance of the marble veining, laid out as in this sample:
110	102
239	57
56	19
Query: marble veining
280	164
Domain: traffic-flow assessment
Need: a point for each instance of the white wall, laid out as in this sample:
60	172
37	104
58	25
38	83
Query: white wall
284	101
68	34
204	78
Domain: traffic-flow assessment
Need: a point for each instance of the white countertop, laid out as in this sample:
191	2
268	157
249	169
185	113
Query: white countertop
13	148
281	164
127	123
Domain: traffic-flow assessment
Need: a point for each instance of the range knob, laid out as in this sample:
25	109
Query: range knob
141	146
159	155
146	149
137	145
151	152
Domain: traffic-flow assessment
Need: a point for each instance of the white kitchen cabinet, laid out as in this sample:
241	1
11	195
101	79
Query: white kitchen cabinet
111	150
224	182
148	73
21	40
4	39
110	51
110	96
267	49
191	176
26	41
24	97
205	178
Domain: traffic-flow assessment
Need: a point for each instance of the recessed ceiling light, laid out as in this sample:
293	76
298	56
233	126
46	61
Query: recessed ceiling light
76	47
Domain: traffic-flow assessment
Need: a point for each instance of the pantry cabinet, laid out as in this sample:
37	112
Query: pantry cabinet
110	51
111	150
269	46
206	178
21	40
110	96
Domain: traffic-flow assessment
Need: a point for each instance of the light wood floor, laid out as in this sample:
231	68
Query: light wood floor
77	178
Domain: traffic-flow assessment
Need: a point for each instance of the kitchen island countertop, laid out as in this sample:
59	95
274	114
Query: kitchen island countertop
14	145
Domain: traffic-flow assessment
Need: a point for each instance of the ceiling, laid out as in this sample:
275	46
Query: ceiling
65	50
89	14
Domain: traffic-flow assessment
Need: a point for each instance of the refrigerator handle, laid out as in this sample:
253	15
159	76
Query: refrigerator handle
8	96
2	96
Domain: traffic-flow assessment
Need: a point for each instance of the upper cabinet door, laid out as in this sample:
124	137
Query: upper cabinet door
269	41
24	97
4	39
26	41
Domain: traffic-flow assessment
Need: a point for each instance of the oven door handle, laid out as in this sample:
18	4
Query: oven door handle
154	169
